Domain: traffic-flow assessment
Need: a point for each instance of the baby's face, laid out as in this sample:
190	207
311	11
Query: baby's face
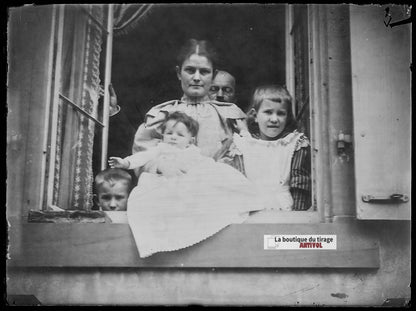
113	196
177	134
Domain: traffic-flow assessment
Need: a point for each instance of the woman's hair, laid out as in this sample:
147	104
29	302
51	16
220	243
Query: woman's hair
199	47
273	92
190	123
112	176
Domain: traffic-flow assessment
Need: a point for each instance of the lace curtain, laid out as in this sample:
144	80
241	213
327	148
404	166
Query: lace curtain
82	44
80	80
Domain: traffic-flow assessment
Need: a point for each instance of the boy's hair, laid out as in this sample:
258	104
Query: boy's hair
275	93
190	123
111	176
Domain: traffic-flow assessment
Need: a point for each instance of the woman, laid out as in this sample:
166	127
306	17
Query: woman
196	65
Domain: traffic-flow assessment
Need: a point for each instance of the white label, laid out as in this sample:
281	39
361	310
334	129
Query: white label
302	242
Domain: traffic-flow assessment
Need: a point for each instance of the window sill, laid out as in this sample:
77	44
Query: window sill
237	246
261	217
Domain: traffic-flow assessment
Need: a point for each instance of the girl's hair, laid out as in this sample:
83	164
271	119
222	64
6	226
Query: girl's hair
190	123
199	47
275	93
112	176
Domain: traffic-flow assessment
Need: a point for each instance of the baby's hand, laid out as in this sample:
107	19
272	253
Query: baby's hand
116	162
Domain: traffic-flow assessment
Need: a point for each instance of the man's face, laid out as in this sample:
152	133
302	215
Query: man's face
223	88
113	196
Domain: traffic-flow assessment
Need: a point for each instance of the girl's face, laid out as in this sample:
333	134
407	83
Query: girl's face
195	76
271	118
177	134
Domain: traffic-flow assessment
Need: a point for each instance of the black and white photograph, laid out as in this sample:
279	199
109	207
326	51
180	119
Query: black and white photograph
209	154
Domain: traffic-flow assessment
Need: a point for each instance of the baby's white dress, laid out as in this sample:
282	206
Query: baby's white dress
171	213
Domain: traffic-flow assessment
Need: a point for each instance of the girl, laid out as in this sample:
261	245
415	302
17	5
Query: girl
276	155
190	199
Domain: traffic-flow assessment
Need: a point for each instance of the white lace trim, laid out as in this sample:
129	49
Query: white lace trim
274	143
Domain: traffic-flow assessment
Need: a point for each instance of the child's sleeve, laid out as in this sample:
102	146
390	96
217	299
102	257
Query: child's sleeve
140	159
300	178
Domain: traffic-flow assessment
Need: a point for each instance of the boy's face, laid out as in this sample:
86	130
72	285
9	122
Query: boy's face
113	196
177	134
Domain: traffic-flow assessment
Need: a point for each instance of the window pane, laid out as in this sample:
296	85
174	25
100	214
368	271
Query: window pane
80	81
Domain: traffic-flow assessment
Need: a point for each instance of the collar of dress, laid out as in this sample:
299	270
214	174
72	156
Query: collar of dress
205	100
187	100
285	140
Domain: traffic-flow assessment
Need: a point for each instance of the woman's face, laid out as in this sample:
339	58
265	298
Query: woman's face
195	76
272	119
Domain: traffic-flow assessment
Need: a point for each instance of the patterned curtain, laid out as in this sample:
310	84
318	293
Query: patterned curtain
83	42
80	82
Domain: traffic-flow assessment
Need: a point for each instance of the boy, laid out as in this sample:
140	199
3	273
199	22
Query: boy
112	189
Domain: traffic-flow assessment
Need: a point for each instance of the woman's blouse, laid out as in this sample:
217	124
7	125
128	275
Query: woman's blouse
211	115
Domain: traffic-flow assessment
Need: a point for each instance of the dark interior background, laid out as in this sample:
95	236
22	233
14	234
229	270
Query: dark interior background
249	38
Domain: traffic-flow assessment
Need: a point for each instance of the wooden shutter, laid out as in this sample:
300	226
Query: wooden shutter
380	62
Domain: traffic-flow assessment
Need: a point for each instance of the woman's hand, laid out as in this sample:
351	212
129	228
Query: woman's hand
116	162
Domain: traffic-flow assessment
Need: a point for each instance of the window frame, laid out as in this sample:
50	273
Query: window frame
55	245
56	96
35	245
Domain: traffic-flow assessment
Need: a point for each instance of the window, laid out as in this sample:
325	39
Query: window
144	74
298	73
321	73
300	34
76	108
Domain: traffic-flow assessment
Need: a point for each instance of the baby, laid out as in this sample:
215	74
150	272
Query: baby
185	197
175	154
